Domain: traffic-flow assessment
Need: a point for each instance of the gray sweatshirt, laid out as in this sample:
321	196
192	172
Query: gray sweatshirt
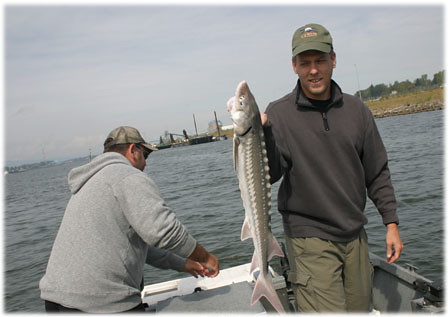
115	213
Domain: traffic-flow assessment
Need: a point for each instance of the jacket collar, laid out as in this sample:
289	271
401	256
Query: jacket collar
303	101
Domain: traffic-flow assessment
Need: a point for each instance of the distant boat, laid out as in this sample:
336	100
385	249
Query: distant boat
200	140
163	146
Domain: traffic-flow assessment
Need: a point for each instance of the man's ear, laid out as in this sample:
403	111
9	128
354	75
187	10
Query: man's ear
130	153
133	148
294	65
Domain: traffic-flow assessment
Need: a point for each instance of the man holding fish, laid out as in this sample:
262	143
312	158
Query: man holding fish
326	146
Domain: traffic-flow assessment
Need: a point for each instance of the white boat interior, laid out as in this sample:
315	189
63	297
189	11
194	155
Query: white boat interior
395	289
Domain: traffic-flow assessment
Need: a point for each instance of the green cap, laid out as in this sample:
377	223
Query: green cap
126	135
311	37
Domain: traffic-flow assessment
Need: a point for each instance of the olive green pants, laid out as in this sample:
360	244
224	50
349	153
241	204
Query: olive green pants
329	276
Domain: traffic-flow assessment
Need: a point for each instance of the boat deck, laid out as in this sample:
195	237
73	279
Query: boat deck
395	289
234	287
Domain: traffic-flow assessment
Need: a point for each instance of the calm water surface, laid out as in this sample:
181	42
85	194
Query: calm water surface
200	185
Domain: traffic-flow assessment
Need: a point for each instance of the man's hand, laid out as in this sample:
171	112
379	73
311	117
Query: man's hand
208	260
264	118
394	246
212	265
194	268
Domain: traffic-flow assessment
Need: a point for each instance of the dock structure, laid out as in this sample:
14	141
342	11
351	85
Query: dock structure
188	140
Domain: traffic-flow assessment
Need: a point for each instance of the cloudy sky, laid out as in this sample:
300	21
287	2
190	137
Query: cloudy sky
74	73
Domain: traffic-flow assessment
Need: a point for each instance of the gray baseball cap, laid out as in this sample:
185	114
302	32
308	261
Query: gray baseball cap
311	37
126	135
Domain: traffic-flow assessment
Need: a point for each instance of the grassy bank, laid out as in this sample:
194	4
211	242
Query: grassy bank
408	103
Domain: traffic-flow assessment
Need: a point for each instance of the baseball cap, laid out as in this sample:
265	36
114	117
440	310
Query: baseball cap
126	135
311	37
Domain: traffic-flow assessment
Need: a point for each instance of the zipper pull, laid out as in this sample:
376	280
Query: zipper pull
325	118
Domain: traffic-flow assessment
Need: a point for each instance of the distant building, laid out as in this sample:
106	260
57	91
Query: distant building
227	127
212	126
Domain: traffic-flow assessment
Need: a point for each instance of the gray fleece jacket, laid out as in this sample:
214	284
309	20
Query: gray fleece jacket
329	160
115	214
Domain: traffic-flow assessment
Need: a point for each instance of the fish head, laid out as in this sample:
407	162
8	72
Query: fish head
243	109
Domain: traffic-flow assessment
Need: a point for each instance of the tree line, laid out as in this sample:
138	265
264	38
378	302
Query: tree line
399	88
26	167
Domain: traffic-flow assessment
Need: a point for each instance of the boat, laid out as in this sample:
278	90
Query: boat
395	289
163	146
200	140
398	289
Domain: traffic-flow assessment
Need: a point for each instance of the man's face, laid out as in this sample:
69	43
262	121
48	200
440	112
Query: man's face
140	158
315	69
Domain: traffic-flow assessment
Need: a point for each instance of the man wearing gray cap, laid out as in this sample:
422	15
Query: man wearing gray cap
115	222
326	146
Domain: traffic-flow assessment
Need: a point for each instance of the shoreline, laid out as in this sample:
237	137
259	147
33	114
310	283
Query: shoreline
409	109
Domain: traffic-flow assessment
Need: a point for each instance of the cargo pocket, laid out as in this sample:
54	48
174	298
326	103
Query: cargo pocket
302	287
300	278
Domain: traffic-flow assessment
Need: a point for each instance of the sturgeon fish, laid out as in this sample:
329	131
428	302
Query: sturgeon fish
251	165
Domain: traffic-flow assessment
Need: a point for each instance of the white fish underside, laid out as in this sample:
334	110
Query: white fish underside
251	164
253	175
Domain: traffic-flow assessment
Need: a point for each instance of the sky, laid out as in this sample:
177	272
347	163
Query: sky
72	73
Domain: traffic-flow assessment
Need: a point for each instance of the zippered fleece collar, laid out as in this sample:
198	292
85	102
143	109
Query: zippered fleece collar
303	101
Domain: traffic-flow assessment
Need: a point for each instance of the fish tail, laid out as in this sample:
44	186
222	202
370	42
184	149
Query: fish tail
264	287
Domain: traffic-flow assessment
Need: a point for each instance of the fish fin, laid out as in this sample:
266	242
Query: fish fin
264	287
253	265
235	152
245	230
274	248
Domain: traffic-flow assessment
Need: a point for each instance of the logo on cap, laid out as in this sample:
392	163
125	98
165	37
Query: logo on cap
308	32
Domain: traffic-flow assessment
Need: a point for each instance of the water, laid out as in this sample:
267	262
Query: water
200	185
